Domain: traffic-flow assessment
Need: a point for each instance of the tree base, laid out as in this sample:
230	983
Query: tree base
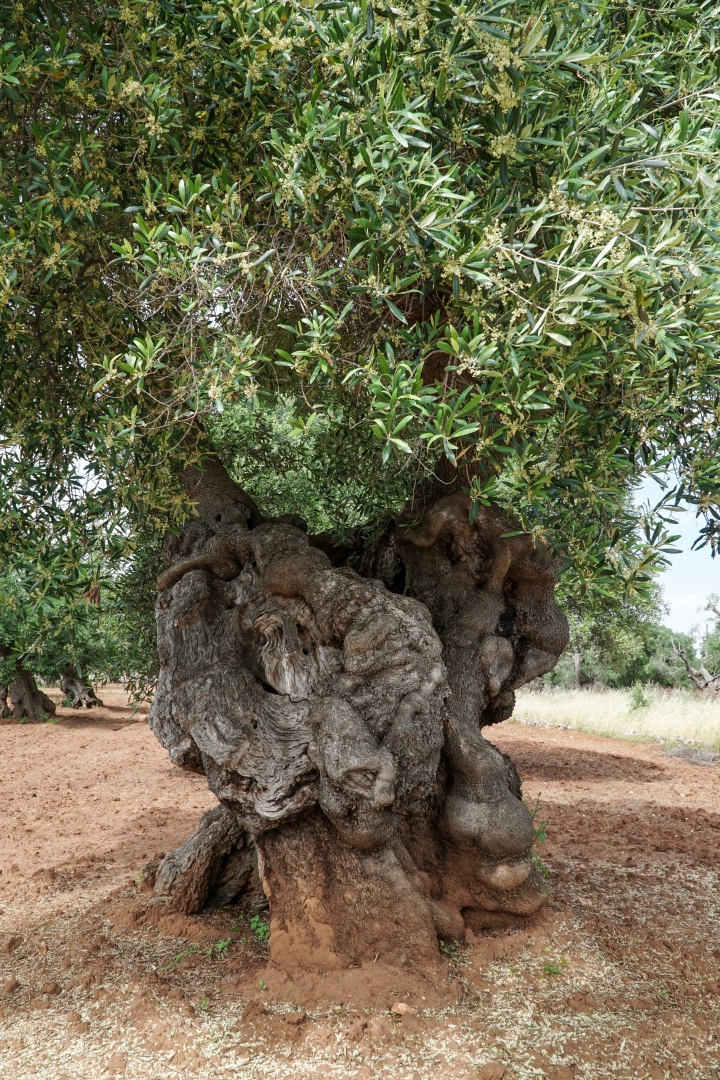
82	694
28	700
333	907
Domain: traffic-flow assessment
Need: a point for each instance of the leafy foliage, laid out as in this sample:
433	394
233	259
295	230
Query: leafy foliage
292	464
620	641
637	697
128	621
260	928
46	630
49	629
480	237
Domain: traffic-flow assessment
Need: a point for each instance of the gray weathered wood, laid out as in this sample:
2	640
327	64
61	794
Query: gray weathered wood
186	875
79	690
28	699
337	712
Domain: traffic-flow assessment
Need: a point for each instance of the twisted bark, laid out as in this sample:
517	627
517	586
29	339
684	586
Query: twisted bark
79	690
187	875
337	711
27	698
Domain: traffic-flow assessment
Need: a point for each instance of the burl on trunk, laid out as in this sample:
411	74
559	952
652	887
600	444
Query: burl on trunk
335	700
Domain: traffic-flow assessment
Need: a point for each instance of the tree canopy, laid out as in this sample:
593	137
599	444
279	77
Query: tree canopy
359	245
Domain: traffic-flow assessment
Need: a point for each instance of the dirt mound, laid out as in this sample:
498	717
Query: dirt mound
370	986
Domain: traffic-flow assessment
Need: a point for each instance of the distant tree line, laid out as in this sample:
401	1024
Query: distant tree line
617	642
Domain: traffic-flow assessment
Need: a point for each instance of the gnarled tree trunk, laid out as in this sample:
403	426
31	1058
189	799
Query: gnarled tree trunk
5	708
79	690
27	698
706	683
335	699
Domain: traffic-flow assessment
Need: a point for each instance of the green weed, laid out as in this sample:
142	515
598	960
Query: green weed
554	968
449	947
540	831
260	928
539	864
637	697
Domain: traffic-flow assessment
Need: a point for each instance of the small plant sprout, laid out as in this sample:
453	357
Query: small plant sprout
180	957
449	947
540	829
552	968
222	946
260	928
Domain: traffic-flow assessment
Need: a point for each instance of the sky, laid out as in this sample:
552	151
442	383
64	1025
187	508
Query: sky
692	575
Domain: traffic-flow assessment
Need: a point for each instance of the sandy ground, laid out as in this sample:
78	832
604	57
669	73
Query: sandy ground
620	976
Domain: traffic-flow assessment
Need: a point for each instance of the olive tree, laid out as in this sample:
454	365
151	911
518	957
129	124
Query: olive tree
453	270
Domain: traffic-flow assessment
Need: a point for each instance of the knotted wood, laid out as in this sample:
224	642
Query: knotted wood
337	712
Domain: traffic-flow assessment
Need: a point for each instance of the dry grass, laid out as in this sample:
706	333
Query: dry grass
670	715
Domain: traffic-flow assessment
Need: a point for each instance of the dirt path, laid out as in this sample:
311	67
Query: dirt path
619	977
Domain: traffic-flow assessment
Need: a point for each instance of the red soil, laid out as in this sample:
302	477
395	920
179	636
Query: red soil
619	976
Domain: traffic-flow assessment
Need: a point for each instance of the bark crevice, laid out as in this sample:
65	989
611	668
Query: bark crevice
28	700
214	867
335	700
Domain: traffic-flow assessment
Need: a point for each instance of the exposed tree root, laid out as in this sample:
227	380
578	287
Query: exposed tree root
27	698
214	866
